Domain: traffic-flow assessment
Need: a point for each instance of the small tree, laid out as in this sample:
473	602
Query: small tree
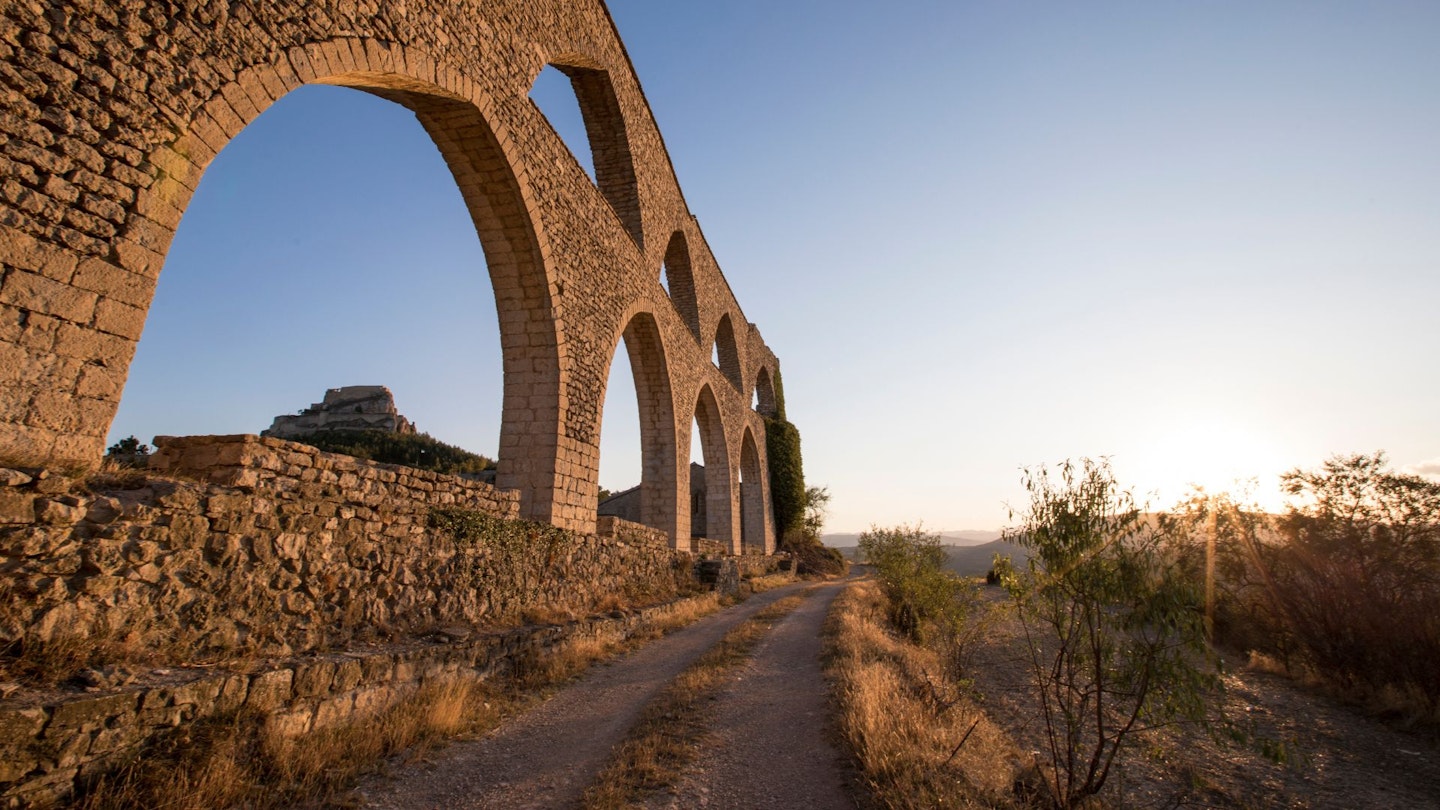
803	539
128	452
817	508
1112	626
1356	571
926	601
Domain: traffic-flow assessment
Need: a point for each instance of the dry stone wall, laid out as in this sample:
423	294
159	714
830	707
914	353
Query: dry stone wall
272	547
50	745
111	111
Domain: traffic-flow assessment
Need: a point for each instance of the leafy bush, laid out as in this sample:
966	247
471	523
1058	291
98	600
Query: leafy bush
418	450
1345	584
128	452
925	601
1113	625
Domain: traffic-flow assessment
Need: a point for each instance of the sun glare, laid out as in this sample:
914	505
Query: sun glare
1215	455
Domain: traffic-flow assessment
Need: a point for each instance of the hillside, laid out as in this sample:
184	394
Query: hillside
960	537
965	560
419	450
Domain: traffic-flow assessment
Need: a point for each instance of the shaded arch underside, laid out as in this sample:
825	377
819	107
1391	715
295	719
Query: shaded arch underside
719	501
754	534
765	393
728	352
651	376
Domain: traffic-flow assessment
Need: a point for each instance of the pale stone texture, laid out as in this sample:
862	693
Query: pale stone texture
110	112
49	743
248	544
267	549
353	407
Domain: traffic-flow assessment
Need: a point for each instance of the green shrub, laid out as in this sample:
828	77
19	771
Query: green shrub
925	601
1113	625
419	450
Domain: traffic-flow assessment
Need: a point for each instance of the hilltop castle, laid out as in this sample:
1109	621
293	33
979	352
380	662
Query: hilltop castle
353	407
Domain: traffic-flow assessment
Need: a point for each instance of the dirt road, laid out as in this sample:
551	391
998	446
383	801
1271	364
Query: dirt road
546	757
768	748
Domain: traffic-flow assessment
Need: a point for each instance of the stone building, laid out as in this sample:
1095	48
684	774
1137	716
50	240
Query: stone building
353	407
626	504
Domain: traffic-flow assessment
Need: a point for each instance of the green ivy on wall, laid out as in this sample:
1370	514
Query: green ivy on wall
787	474
520	548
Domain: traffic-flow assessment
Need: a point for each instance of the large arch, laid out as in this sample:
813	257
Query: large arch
609	146
103	153
728	352
490	187
659	484
757	534
720	524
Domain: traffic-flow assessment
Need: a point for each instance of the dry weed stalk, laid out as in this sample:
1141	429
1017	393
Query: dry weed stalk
917	738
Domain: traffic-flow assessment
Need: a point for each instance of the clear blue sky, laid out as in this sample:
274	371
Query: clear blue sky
1201	238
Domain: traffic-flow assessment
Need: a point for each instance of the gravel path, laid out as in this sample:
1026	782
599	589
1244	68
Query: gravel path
546	757
768	747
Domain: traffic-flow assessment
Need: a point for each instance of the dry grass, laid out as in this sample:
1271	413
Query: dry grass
665	739
767	582
917	738
239	761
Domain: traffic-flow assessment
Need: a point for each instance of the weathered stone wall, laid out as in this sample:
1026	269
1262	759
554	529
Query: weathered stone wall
274	547
620	529
48	745
110	113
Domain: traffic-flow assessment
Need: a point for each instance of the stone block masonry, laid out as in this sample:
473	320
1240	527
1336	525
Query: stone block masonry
49	746
330	575
111	112
261	546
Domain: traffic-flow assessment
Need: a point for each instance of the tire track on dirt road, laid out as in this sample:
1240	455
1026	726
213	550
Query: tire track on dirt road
769	748
547	756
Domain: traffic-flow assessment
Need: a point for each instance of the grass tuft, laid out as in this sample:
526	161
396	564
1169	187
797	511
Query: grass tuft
918	739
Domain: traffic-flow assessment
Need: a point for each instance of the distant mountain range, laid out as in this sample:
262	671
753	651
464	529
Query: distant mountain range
968	560
963	537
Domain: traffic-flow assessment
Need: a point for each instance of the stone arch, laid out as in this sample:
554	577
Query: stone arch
756	534
729	353
765	403
104	160
488	181
609	142
659	485
680	282
719	494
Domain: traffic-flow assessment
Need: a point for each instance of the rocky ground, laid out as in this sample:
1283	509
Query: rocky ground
1272	743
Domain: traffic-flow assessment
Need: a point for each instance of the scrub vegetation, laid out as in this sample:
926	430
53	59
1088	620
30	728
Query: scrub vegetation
1114	632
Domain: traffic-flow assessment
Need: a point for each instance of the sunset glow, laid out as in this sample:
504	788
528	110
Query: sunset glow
1214	455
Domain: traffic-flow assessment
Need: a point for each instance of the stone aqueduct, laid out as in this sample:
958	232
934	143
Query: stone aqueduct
113	109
